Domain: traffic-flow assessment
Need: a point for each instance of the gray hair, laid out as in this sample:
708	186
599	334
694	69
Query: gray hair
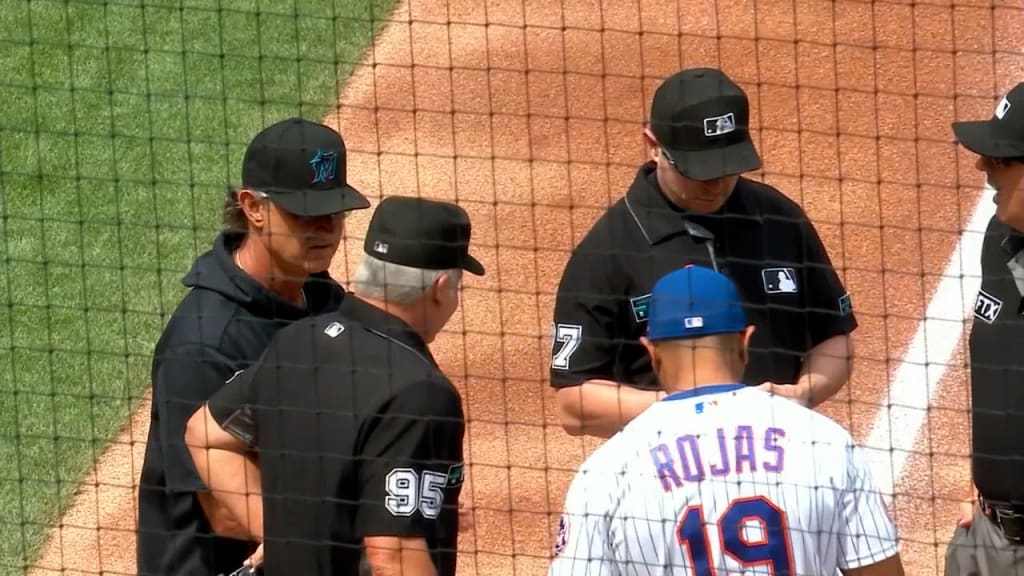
390	282
233	217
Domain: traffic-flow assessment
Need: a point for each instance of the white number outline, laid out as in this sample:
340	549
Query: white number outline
408	492
570	336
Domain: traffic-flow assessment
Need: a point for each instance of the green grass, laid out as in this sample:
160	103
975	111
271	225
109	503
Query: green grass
121	123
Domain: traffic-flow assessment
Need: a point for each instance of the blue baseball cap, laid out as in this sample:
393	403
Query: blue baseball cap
693	302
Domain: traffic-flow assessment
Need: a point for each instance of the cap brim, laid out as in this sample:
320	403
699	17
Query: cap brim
473	265
977	136
704	165
319	202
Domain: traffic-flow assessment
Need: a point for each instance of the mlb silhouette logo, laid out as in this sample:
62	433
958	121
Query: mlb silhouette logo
334	329
718	125
779	280
1002	108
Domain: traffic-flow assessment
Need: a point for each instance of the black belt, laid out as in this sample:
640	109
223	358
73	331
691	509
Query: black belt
1009	519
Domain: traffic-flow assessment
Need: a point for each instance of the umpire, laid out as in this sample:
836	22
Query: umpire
358	433
989	539
265	270
689	204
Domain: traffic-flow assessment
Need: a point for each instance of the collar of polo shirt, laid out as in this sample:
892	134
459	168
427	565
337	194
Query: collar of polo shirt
660	219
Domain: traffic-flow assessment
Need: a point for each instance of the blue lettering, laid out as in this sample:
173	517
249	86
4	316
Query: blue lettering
745	448
772	436
689	453
665	468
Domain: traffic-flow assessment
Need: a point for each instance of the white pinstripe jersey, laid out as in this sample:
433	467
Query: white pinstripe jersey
727	481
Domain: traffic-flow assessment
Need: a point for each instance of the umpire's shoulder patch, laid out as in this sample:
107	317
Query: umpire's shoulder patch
562	539
455	474
640	304
334	329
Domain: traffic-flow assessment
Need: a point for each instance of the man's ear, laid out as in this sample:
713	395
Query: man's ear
647	345
651	145
745	344
652	352
442	285
253	206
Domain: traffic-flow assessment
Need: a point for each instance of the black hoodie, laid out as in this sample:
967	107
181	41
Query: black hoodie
221	326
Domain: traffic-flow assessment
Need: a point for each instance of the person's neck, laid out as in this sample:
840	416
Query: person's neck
663	190
411	315
685	382
255	261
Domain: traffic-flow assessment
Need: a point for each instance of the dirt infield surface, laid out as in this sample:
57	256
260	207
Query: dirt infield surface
529	114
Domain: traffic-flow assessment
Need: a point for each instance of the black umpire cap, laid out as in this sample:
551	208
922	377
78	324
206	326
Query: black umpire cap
303	167
421	233
701	119
1002	135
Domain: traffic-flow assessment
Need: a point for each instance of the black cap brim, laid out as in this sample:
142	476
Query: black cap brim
473	266
978	137
319	202
704	165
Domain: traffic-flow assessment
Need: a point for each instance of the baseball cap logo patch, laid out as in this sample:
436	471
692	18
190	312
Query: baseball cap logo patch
1002	108
718	125
325	166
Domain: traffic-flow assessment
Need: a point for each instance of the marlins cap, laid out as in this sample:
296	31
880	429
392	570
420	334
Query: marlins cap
303	167
693	302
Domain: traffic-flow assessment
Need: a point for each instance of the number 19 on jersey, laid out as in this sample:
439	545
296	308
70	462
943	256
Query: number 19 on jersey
772	550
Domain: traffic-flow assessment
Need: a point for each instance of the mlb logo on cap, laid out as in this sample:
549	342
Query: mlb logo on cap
719	125
693	322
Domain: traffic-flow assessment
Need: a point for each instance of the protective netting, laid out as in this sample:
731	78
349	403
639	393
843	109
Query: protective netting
122	122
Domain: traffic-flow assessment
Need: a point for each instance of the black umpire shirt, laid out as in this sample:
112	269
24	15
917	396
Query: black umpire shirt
761	239
997	394
221	326
358	434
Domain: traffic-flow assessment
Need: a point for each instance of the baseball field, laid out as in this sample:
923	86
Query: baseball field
121	122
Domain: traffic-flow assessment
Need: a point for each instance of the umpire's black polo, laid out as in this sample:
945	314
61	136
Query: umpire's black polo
358	434
997	394
760	238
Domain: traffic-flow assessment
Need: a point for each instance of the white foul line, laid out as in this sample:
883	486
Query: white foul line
915	384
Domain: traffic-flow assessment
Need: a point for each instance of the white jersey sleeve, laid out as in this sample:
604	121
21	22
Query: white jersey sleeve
867	534
583	545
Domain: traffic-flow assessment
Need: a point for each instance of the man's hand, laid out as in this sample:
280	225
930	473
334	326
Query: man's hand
967	510
256	559
799	393
465	518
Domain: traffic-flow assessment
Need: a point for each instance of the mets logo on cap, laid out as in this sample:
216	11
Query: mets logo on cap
325	165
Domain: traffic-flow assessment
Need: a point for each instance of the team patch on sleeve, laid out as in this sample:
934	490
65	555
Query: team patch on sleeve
241	425
455	476
640	304
563	535
845	304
